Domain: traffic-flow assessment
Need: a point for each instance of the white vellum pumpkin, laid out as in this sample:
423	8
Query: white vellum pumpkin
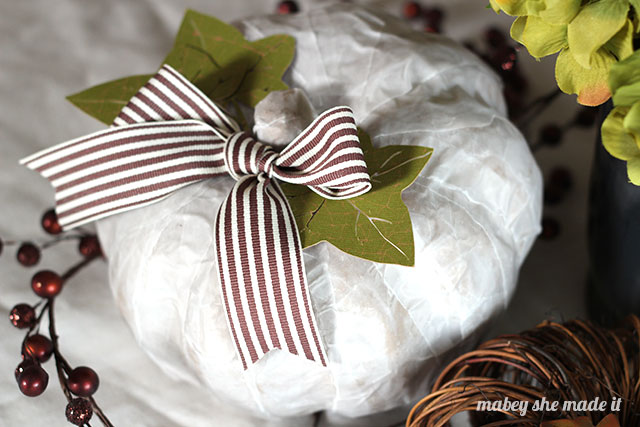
387	329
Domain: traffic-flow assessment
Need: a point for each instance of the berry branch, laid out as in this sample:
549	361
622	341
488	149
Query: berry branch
77	384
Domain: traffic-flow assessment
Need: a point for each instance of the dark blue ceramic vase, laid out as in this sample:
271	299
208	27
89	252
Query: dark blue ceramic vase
614	238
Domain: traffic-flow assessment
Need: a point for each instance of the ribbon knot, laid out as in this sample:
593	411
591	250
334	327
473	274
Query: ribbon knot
171	135
243	155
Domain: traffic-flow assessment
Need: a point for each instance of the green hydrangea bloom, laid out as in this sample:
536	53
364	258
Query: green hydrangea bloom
621	128
590	36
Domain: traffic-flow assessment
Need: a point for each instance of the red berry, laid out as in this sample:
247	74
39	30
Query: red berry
551	134
33	381
411	10
504	58
22	366
46	284
38	347
550	228
287	7
22	316
50	222
587	116
89	246
561	177
434	29
434	17
83	381
79	411
495	37
28	254
553	194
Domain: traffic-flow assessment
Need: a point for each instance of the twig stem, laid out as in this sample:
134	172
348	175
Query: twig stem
62	366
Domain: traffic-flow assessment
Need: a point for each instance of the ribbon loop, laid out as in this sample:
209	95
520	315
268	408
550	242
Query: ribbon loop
327	157
170	135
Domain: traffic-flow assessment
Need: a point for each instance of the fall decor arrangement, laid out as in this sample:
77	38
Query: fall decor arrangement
592	373
214	175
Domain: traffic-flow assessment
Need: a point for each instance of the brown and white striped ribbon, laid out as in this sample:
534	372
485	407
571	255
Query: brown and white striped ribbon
170	135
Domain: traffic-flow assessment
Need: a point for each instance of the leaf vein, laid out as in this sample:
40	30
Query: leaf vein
378	173
371	221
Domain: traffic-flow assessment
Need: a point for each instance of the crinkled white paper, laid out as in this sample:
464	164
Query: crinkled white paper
388	329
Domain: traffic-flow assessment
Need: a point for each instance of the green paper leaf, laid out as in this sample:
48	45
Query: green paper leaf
105	101
217	58
624	80
540	37
589	84
266	75
375	226
593	26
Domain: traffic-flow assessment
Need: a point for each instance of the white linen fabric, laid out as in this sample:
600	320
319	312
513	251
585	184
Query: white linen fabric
387	328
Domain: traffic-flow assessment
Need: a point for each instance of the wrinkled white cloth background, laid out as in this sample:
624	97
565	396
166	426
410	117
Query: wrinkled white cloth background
74	46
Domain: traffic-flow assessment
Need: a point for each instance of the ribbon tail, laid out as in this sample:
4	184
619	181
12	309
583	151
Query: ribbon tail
122	168
262	275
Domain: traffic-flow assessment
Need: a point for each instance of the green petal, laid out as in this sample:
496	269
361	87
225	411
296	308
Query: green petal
519	7
624	80
631	122
560	11
633	170
589	84
540	37
621	45
627	95
593	26
517	28
616	140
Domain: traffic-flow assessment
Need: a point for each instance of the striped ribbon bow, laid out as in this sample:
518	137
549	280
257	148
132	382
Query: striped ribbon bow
170	135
